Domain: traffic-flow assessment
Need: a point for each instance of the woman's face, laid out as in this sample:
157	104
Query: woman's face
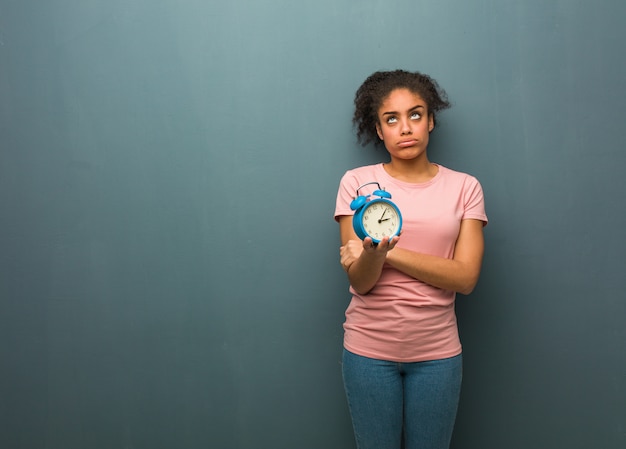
404	124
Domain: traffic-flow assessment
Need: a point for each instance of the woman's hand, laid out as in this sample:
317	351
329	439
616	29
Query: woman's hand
353	249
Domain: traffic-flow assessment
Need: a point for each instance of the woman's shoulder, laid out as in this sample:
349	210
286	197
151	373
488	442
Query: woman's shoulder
365	170
456	175
365	173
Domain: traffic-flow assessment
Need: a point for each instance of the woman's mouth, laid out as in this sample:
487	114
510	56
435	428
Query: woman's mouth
407	143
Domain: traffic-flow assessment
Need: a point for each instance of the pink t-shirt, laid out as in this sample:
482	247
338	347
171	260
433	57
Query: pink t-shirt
402	319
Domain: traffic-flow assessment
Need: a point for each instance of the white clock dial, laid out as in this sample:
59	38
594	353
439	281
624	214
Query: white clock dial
380	220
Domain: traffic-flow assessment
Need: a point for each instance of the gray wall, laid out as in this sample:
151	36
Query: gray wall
169	271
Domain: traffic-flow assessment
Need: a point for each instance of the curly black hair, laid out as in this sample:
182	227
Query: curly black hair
379	85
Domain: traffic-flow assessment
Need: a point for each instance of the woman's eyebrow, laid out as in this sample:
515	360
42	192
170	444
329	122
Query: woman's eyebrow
419	106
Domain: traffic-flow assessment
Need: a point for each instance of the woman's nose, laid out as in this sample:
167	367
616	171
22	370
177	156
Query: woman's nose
405	127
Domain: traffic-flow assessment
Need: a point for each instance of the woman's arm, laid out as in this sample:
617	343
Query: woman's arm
361	259
459	274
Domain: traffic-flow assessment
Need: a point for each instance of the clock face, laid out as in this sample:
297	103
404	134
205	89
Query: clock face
381	219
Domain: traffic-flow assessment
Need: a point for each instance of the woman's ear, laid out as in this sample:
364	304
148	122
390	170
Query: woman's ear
379	131
431	122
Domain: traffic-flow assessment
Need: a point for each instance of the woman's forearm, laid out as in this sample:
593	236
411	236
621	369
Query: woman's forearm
448	274
365	271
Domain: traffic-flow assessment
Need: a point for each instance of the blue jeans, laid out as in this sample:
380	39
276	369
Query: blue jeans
392	402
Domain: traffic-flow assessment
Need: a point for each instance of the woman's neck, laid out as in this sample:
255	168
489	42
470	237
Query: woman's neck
414	171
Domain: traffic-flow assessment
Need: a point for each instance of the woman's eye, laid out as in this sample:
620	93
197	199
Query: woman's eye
415	116
391	120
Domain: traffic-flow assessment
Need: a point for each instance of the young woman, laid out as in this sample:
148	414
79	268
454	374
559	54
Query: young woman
402	364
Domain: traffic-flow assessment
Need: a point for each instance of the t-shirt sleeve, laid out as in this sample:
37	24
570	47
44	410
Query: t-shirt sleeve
345	194
474	201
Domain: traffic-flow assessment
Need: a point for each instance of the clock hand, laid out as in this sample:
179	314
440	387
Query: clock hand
381	217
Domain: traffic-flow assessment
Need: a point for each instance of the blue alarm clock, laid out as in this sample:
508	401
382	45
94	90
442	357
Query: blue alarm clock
376	218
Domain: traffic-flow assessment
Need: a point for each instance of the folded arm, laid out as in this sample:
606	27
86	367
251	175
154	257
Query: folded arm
364	263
